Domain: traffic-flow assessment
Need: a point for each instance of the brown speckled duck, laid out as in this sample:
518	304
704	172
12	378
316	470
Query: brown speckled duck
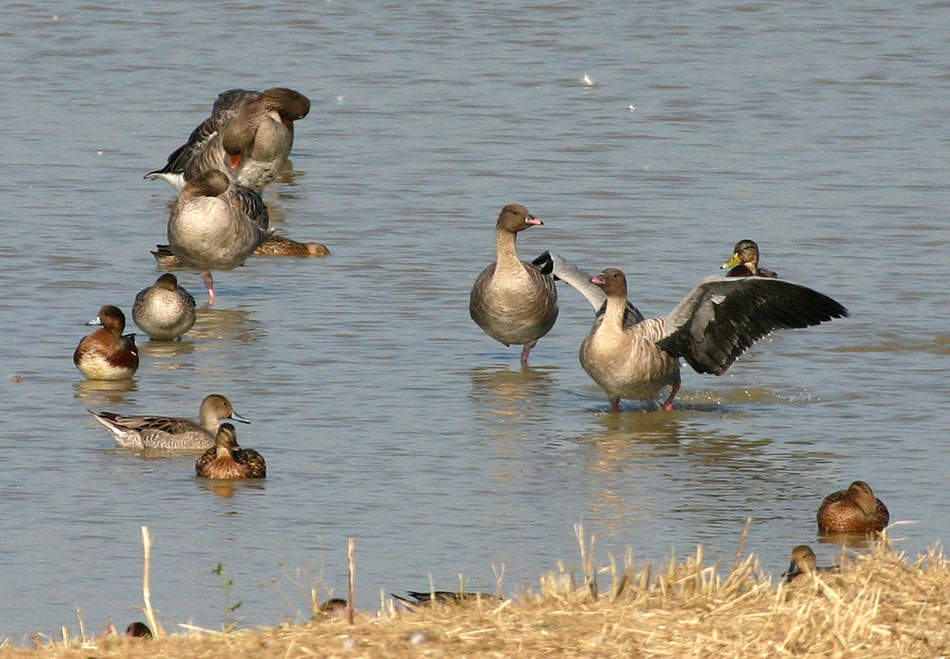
855	510
248	135
710	328
513	301
216	225
745	258
228	461
107	354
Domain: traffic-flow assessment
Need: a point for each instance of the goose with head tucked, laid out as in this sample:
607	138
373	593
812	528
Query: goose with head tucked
229	461
216	225
635	358
170	433
513	301
107	354
248	135
745	261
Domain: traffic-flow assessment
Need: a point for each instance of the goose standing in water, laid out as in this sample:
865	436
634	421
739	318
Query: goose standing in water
855	510
107	354
216	225
745	261
633	357
228	461
248	135
513	301
170	432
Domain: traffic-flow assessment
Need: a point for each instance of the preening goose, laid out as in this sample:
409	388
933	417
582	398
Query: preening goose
215	225
513	301
710	328
745	258
248	135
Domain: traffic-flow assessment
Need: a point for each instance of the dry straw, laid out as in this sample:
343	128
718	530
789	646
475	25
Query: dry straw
880	604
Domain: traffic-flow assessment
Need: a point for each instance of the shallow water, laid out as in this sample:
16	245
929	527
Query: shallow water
384	413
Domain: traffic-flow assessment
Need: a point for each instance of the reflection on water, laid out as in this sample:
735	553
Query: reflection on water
227	488
166	349
98	392
233	325
505	391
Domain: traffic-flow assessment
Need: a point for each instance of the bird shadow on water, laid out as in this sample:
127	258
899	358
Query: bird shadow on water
105	392
228	488
226	324
503	391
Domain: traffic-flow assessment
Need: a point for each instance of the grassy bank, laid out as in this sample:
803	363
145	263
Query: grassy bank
880	604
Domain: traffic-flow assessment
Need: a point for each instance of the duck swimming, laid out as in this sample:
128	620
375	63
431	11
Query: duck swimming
107	354
228	461
855	510
633	357
165	310
168	432
513	301
745	258
248	136
803	565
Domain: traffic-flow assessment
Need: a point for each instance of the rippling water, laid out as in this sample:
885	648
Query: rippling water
385	414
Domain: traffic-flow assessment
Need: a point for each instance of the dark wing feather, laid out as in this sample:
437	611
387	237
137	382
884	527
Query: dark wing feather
180	158
232	98
722	317
254	461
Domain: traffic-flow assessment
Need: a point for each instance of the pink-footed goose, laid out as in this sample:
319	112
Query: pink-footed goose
248	135
633	357
513	301
215	225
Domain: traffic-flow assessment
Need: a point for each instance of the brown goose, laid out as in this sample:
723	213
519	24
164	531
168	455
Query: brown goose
227	460
745	258
216	225
248	135
513	301
855	510
107	354
710	328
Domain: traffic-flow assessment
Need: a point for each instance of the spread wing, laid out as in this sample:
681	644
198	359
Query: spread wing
722	317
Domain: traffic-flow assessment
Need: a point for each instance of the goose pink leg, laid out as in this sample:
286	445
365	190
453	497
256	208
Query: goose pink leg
668	405
209	284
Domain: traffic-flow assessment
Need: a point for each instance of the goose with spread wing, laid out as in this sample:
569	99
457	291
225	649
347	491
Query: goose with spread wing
632	357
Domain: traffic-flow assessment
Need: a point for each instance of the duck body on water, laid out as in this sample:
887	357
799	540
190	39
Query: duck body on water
512	300
107	354
855	510
165	310
171	433
229	461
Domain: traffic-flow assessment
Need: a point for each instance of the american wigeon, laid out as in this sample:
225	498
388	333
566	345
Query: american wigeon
248	135
164	310
216	225
107	354
168	432
227	460
855	510
632	357
745	258
512	300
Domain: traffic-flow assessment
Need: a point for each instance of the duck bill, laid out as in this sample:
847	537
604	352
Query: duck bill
792	571
237	417
95	322
599	280
532	220
735	260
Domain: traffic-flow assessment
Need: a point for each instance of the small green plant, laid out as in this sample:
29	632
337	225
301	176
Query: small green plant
229	622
